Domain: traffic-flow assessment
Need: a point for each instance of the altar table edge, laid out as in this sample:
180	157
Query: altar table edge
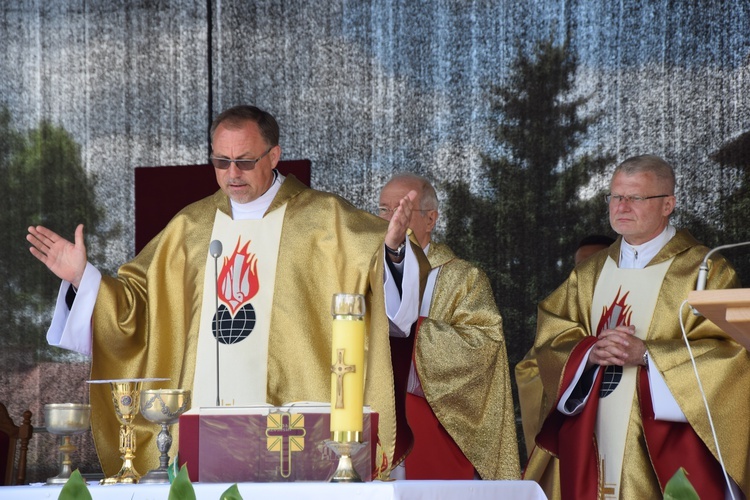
376	490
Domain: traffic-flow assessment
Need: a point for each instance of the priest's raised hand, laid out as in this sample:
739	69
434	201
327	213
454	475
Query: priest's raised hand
67	260
395	236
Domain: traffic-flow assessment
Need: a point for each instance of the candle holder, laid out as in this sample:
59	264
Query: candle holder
65	420
345	471
347	382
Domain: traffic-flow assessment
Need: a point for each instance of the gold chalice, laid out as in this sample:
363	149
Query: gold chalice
164	407
65	420
126	395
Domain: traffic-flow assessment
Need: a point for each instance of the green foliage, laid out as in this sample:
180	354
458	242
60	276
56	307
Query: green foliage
75	488
232	493
679	487
182	488
42	181
173	469
524	231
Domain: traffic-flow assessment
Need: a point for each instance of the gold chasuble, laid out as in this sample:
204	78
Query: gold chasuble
462	363
147	320
566	319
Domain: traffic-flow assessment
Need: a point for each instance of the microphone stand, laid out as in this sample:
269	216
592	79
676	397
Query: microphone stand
215	248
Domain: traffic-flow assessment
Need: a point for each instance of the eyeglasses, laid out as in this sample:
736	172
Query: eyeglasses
618	198
242	163
382	211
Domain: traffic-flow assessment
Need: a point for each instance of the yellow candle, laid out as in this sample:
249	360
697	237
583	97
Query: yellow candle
347	367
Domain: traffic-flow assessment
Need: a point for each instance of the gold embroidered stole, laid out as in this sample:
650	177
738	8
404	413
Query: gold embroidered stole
247	276
621	297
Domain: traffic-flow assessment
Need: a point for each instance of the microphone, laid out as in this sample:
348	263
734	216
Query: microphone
215	249
703	269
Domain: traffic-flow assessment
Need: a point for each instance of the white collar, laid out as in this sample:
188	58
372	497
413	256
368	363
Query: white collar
257	208
638	256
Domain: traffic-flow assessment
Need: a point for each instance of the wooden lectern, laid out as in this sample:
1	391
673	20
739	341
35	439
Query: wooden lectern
729	309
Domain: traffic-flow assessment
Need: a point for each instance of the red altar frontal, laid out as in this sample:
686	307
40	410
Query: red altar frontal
266	444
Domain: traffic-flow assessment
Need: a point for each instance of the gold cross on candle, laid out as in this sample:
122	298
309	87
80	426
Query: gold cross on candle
341	369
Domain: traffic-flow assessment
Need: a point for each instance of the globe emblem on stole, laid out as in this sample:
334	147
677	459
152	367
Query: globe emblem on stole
610	380
233	328
237	284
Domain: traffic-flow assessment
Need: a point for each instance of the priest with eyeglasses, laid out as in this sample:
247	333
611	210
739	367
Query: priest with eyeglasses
622	411
286	250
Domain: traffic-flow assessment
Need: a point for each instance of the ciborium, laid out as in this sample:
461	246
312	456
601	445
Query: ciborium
164	407
66	420
126	394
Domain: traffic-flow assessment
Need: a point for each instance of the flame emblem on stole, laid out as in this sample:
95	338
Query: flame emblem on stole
617	314
238	280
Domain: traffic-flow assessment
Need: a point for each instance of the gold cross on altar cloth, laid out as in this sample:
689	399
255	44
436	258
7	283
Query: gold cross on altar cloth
285	433
340	369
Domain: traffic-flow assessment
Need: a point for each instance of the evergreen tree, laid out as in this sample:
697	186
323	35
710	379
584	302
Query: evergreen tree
42	182
523	233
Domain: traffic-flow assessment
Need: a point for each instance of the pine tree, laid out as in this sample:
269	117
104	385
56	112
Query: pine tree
524	231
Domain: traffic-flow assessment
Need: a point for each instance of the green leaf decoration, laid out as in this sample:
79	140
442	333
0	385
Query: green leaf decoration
75	488
679	487
182	488
172	470
232	493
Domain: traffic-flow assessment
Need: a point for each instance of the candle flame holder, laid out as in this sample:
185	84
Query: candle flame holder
345	472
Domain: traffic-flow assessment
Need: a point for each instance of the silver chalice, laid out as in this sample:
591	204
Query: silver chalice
65	420
164	407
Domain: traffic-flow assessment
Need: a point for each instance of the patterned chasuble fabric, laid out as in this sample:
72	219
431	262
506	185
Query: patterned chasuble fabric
462	363
146	320
246	278
621	297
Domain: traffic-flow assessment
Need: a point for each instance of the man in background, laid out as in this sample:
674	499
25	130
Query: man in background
622	405
591	244
459	404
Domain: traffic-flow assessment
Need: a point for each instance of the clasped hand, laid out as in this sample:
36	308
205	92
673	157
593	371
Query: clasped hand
618	346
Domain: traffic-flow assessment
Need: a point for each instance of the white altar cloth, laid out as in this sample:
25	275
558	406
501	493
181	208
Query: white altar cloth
376	490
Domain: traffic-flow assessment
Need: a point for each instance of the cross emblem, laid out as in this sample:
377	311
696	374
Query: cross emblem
286	434
340	369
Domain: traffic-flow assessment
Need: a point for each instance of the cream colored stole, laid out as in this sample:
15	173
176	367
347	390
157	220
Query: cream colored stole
621	297
247	275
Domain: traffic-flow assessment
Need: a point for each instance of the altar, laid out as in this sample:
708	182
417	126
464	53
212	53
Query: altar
376	490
